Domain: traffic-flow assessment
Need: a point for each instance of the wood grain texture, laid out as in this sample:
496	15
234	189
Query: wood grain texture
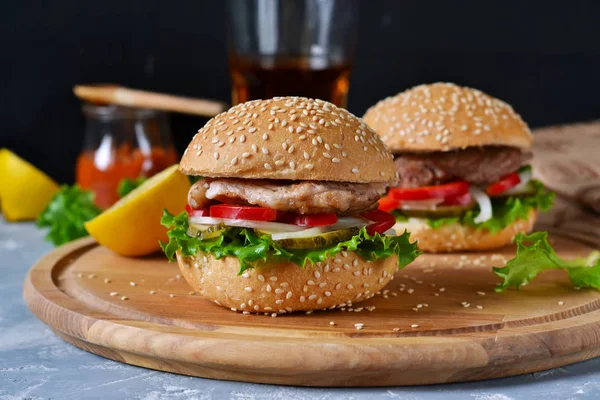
510	333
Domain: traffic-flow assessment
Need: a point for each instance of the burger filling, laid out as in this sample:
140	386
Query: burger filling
260	221
485	187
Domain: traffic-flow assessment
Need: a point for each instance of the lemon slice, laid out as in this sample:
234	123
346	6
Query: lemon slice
24	190
131	227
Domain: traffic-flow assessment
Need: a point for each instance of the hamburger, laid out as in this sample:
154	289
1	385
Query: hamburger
283	216
462	160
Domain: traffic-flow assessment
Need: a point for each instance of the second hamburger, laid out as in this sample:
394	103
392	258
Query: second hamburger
462	159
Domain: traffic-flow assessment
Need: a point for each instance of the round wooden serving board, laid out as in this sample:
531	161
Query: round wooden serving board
440	321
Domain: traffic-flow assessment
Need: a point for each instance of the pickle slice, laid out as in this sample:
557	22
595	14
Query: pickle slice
323	240
210	232
439	212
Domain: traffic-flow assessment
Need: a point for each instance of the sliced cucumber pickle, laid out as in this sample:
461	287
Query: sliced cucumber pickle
323	240
439	212
210	232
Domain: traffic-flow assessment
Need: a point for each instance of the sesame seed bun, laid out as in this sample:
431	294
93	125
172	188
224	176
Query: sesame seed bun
457	237
289	138
444	116
284	287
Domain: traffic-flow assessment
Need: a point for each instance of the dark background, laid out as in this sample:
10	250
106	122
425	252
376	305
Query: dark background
541	56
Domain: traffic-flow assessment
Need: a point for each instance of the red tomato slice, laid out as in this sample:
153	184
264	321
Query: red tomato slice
203	212
460	200
430	192
388	203
243	212
310	220
507	182
383	221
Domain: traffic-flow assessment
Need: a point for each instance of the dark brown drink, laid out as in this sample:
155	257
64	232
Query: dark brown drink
266	77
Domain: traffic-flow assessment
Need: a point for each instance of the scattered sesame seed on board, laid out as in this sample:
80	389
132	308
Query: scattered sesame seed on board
124	298
114	293
414	326
171	295
132	284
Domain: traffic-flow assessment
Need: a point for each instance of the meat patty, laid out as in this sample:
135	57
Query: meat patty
306	197
478	165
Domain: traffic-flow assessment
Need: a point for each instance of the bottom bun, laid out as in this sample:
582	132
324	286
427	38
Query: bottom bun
284	287
458	237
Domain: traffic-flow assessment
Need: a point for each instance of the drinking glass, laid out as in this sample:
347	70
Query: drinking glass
291	48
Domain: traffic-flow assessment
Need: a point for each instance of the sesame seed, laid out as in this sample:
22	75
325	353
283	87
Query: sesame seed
172	296
481	293
216	155
234	160
279	291
289	295
265	136
114	293
106	280
355	170
317	274
248	289
152	292
273	278
560	303
124	298
331	323
414	326
268	166
242	138
132	283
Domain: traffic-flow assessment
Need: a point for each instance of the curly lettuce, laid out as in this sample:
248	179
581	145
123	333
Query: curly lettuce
252	248
539	256
67	213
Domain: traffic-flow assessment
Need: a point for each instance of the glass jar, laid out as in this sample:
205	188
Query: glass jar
122	142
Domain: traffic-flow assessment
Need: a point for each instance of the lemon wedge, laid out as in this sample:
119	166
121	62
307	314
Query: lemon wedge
131	227
24	190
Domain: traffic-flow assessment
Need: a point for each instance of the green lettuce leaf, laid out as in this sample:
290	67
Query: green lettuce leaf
66	213
539	256
253	249
127	185
506	210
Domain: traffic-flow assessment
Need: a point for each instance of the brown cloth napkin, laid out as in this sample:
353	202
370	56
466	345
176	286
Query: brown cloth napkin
567	160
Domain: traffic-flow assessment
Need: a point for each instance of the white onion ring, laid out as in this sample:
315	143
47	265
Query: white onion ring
244	223
314	231
429	204
523	186
484	202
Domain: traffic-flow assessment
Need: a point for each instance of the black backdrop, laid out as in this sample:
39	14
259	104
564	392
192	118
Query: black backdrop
541	56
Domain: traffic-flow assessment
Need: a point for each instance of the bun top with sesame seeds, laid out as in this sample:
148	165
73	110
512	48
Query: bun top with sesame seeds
445	116
291	138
